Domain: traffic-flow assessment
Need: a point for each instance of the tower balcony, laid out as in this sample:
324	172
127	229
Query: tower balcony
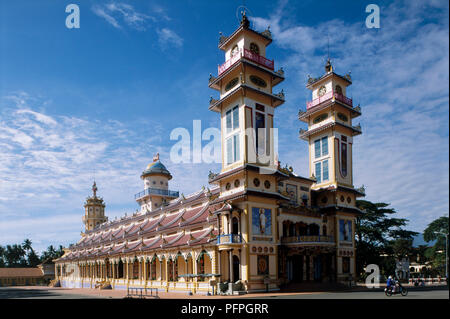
229	239
249	55
305	134
157	192
329	96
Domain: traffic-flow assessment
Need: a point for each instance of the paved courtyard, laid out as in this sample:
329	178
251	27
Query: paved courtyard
40	292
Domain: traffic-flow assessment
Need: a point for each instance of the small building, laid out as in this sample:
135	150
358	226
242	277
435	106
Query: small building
31	276
21	277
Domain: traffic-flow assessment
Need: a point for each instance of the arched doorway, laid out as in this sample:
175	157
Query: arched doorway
236	268
120	269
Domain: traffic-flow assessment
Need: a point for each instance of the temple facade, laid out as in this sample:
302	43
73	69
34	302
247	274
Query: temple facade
258	224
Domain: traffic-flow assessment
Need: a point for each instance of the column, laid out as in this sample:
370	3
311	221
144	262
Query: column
113	265
145	270
230	272
240	227
173	269
240	268
311	267
219	268
139	270
160	271
304	267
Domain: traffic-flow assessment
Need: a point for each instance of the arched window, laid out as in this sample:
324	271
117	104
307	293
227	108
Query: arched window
254	48
235	226
234	50
313	230
338	89
291	229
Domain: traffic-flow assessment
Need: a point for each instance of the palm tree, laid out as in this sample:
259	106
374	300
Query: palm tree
27	244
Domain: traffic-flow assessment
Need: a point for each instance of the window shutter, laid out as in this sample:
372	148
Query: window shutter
229	151
235	118
318	173
317	148
325	170
325	146
228	119
236	148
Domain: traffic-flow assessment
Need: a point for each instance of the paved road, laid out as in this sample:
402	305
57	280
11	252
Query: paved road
65	293
21	293
412	294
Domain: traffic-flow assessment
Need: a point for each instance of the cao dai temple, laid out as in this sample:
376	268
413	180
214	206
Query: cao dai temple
257	223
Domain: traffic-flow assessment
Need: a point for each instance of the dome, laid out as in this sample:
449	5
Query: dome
156	168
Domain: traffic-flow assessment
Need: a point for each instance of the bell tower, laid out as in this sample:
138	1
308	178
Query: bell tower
247	102
330	133
94	210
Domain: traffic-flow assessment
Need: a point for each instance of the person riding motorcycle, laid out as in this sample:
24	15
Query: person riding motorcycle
390	283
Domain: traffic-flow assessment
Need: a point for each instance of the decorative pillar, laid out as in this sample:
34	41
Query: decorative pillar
145	270
160	271
240	227
240	268
230	270
304	267
113	270
311	267
167	274
173	270
139	270
220	263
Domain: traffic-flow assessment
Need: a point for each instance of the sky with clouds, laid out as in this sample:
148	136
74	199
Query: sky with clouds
101	100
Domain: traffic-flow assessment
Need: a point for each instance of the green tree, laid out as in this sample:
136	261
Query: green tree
15	256
376	234
437	230
2	258
51	253
32	258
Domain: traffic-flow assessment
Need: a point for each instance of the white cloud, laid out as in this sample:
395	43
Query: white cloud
114	12
110	19
167	37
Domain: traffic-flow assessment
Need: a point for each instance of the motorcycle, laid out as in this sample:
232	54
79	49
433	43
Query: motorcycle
399	289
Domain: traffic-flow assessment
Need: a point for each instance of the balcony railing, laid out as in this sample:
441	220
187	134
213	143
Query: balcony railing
155	191
307	239
328	96
229	239
248	55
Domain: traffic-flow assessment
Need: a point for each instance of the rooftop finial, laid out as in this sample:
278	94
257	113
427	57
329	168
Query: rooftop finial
94	189
244	21
328	66
156	157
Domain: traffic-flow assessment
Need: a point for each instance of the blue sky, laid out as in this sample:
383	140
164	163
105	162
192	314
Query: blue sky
105	97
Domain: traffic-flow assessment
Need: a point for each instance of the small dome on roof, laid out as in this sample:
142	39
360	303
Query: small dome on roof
157	168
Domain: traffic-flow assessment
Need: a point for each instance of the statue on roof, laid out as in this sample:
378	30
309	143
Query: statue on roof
94	189
156	157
